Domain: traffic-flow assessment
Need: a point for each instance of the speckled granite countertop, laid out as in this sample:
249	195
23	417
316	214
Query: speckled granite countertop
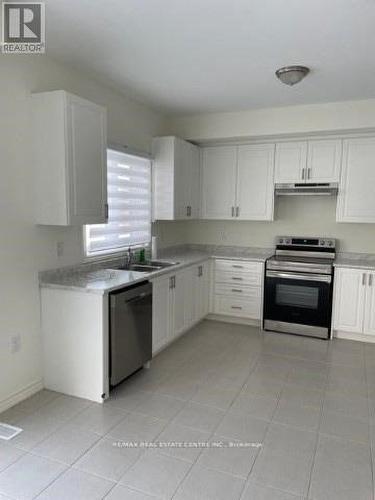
103	277
355	260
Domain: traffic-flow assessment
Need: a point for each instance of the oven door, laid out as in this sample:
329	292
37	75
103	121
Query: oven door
298	299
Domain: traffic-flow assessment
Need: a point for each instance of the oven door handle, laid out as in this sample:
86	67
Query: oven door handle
303	277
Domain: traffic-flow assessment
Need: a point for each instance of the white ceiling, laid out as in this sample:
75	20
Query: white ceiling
189	56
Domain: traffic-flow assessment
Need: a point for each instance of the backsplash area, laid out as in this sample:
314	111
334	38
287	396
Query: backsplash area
294	215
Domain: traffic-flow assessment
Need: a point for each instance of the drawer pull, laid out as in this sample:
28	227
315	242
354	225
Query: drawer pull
236	278
236	290
237	266
236	307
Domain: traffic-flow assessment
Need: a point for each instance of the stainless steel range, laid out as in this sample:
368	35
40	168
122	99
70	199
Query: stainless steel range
298	286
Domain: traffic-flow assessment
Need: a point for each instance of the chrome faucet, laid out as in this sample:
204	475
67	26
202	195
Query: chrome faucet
128	259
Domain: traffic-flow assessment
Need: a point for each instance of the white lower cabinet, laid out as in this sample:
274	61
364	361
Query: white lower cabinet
369	320
238	289
354	301
162	302
201	286
180	300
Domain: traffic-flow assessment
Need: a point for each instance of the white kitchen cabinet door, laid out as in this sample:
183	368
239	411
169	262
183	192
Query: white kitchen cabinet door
182	178
70	159
179	306
218	175
324	160
162	321
205	289
87	141
201	291
255	190
356	200
290	162
194	185
189	293
176	179
369	321
349	300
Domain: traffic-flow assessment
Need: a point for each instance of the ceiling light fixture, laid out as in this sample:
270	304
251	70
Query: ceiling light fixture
290	75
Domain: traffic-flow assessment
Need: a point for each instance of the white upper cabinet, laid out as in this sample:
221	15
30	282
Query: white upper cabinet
290	162
356	200
255	192
176	179
218	174
70	159
308	161
323	161
237	182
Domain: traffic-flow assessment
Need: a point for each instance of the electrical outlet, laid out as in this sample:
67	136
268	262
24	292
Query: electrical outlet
15	343
60	248
223	236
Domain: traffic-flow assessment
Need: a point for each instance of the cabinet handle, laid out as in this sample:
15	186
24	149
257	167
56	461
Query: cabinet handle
303	174
309	173
236	307
364	279
237	266
370	280
236	290
200	271
232	211
171	283
237	211
236	278
106	211
189	207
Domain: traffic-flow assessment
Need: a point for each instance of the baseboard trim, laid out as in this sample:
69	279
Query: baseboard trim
232	319
359	337
19	396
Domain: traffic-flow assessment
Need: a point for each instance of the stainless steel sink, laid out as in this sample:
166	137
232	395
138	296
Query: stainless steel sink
162	263
148	267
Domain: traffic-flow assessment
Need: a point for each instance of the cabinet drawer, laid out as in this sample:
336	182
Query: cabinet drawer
239	266
238	277
248	307
237	290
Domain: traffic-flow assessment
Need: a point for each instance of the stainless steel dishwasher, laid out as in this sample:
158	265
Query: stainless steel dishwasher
130	324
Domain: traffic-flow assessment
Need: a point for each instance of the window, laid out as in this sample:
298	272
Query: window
129	206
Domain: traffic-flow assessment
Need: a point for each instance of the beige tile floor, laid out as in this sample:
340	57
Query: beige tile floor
310	405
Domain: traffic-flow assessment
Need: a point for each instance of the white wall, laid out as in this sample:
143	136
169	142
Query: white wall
293	215
286	120
24	248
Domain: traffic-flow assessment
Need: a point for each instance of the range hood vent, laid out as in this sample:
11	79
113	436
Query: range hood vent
317	189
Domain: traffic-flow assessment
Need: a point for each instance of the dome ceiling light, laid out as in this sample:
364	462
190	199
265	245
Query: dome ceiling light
290	75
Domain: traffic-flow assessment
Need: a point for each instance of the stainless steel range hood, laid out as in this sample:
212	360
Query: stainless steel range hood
317	189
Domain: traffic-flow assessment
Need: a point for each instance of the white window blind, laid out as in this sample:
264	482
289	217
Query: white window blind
129	206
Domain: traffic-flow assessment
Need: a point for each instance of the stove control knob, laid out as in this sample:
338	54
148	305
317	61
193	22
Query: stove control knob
281	241
323	243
